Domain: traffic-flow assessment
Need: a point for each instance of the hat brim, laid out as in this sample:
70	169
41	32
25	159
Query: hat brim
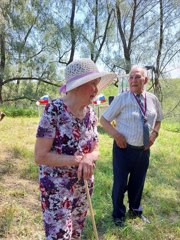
106	79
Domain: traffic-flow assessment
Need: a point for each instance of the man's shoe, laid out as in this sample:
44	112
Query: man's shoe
133	214
144	219
119	221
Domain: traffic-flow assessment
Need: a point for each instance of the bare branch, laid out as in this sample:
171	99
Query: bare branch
169	49
104	35
19	98
132	24
135	38
170	59
35	54
169	113
30	78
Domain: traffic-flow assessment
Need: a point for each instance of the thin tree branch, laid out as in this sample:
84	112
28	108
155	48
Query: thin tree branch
30	78
169	113
19	98
169	49
132	25
104	35
170	59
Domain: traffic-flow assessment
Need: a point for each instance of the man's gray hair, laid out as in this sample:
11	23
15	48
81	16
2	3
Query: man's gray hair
142	69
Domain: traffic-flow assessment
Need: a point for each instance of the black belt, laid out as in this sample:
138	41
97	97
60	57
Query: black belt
135	147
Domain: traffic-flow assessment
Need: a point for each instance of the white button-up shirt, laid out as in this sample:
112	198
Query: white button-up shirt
125	110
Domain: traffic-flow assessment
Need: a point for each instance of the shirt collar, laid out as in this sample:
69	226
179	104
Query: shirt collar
142	94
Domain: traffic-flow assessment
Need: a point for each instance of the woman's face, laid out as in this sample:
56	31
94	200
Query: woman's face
88	91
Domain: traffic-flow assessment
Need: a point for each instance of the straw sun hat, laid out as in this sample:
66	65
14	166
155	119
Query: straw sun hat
83	71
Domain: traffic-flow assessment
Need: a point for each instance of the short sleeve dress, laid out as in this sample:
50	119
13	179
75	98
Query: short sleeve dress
60	188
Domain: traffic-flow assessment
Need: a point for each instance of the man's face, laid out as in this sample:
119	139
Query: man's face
137	81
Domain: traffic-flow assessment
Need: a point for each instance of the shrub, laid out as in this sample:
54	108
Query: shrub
19	112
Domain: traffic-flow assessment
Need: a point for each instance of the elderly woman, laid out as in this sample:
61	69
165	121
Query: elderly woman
67	149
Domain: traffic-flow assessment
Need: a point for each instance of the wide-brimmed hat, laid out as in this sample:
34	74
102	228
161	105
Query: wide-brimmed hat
82	71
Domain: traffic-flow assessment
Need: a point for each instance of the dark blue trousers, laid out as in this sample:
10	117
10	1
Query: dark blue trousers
129	168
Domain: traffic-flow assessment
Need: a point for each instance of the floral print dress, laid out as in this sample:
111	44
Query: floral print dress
63	197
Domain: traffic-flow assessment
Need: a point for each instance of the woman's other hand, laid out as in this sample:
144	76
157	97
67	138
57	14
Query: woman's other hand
86	167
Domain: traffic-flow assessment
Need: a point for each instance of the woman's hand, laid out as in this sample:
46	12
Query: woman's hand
78	159
44	155
86	167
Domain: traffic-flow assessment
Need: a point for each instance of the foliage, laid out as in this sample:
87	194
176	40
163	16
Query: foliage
111	90
28	108
16	112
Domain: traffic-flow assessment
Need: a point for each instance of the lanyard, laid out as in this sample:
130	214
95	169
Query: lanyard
143	109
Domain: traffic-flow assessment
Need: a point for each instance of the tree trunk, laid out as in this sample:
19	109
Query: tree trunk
126	47
157	88
2	63
72	31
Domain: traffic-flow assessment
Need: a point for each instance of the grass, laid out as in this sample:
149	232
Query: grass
20	212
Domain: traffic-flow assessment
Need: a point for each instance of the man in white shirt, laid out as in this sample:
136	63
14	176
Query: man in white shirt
138	117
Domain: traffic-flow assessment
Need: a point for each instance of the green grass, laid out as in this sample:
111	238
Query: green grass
20	211
6	218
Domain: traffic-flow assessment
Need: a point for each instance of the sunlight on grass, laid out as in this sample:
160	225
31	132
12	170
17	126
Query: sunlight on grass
20	214
21	151
26	222
7	213
18	193
6	167
173	127
30	172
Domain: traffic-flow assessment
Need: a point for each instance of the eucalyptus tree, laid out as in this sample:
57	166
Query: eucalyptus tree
147	34
98	19
39	38
167	47
67	27
134	18
23	55
161	47
2	47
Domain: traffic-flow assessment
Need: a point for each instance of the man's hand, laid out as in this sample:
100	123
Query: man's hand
152	138
120	140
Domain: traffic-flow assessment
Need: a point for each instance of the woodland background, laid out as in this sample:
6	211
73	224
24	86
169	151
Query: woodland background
39	38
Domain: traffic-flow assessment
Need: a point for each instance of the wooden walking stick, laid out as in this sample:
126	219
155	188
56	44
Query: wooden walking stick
91	210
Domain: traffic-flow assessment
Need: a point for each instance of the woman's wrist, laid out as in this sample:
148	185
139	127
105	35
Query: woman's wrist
77	159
